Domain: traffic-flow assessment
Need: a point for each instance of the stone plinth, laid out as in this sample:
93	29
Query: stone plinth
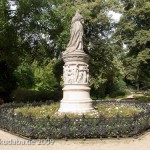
76	91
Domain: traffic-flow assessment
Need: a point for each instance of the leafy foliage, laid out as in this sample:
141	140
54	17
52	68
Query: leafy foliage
24	75
44	78
133	30
25	96
142	99
117	87
46	33
37	76
9	51
36	32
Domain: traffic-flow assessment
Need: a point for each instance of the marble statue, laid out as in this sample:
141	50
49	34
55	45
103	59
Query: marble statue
76	39
76	90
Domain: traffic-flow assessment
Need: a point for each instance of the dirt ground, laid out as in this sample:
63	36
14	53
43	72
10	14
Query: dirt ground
11	142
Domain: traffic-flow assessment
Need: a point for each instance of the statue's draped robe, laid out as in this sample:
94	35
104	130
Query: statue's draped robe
76	40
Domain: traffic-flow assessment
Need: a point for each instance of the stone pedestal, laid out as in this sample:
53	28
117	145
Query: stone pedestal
76	91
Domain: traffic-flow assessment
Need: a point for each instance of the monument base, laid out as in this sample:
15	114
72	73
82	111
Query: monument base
76	99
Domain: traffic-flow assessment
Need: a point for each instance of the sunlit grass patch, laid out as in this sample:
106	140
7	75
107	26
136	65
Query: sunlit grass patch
100	110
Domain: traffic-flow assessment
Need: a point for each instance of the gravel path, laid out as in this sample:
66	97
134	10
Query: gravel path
7	140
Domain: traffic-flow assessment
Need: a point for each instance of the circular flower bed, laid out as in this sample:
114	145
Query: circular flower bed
111	119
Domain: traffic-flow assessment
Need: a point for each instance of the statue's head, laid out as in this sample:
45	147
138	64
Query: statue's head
77	17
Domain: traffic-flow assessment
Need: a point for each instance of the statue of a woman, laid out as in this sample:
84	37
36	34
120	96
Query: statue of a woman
76	40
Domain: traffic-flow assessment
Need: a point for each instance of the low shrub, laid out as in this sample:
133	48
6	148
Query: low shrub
148	93
117	88
143	99
24	95
112	89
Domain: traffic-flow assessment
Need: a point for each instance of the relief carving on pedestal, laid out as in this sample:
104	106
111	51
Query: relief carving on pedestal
76	74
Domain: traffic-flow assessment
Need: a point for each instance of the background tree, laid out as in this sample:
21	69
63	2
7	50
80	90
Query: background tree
134	31
44	30
41	31
8	51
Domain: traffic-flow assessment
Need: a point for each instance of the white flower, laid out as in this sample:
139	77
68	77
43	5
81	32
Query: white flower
117	108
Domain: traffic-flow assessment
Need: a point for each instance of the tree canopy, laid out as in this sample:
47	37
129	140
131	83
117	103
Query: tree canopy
9	50
134	31
35	33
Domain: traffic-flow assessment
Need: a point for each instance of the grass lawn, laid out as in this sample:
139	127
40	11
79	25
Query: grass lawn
101	110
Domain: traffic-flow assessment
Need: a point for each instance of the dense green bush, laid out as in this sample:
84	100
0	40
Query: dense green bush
24	95
98	93
114	88
36	76
7	81
148	92
117	88
24	75
142	98
44	78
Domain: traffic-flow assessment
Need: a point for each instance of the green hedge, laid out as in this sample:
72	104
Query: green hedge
24	95
142	98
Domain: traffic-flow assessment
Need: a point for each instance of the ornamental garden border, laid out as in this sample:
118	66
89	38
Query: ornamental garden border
73	128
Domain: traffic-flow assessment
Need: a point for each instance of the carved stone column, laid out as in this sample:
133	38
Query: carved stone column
76	91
